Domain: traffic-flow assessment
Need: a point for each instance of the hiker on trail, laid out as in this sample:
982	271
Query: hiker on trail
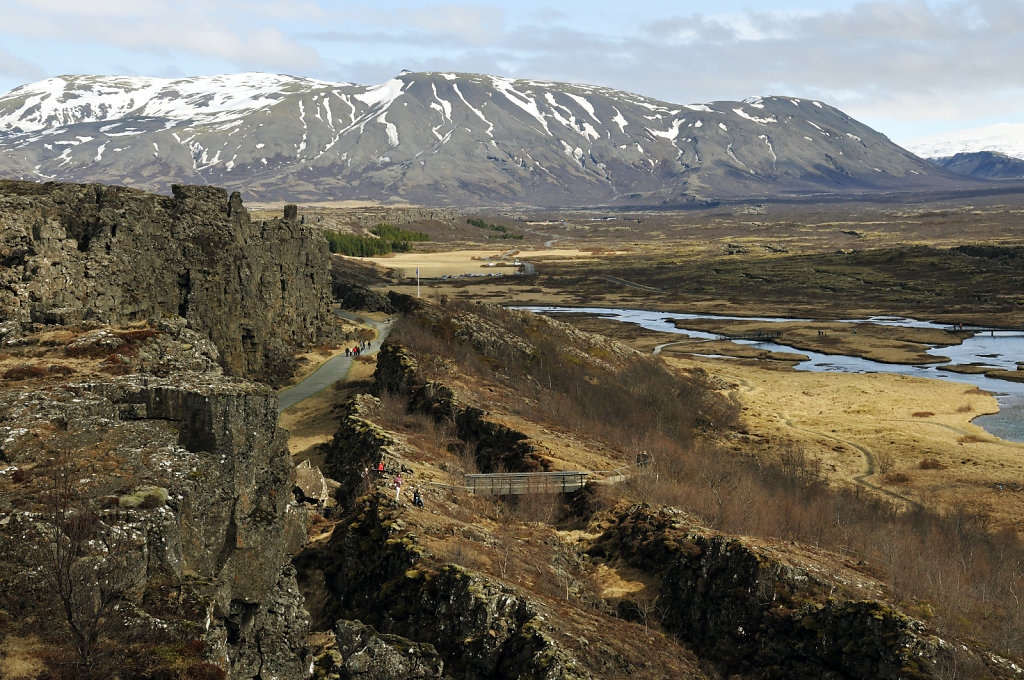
398	485
380	468
417	499
347	351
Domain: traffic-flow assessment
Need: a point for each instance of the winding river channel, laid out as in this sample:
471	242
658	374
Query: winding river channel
998	350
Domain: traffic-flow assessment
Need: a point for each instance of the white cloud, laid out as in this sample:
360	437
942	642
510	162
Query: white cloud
473	25
13	66
232	31
893	59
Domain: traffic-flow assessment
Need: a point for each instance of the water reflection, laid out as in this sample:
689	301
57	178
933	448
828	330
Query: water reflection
996	350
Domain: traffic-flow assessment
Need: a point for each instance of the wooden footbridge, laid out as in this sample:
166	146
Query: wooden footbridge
991	330
756	336
523	483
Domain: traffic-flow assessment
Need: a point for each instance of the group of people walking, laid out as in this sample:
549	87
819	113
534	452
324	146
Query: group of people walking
417	498
358	349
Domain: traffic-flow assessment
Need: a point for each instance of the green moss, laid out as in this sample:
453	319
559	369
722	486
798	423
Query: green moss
144	497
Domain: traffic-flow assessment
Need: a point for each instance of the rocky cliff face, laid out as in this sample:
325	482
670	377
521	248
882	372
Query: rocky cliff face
121	312
495	446
195	467
753	614
117	255
374	571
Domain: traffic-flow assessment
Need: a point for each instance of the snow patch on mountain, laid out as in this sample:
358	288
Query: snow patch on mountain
383	94
1007	138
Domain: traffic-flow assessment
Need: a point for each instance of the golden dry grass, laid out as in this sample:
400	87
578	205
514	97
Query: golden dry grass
19	657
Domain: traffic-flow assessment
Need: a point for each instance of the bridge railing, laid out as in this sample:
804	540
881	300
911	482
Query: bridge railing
519	483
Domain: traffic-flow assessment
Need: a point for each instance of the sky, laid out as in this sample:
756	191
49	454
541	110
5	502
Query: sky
908	68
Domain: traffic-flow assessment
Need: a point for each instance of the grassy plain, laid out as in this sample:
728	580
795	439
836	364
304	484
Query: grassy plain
903	438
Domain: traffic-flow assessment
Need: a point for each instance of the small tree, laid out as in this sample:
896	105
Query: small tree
86	562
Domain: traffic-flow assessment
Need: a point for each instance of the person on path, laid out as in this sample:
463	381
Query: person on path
417	499
380	468
398	485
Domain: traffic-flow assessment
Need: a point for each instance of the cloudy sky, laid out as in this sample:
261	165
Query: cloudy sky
908	68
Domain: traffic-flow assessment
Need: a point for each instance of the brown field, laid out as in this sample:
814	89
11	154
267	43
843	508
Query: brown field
821	261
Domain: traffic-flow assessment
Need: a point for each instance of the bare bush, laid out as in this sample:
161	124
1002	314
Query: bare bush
931	464
88	564
884	461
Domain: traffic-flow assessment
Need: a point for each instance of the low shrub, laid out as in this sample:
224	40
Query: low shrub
922	414
24	372
931	464
896	477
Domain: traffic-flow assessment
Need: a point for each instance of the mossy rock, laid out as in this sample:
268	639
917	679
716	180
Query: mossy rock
145	497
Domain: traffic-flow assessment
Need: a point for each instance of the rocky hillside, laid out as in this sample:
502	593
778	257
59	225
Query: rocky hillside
440	139
147	521
602	583
111	255
193	476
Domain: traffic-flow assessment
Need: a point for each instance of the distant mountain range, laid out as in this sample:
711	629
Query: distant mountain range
992	152
986	164
1005	138
442	139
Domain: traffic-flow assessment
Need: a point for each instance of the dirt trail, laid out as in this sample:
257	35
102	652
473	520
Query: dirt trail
629	284
869	459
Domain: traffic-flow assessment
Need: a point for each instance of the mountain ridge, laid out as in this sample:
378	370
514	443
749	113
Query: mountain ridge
1004	138
441	139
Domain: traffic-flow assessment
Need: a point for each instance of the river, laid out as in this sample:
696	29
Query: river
997	351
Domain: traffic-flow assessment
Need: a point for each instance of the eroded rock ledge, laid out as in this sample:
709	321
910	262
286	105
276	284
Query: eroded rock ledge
496	446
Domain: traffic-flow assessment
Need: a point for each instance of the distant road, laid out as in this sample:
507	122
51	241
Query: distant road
334	369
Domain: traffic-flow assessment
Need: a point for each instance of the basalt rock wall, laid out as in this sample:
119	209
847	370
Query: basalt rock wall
216	537
495	446
73	252
375	572
756	616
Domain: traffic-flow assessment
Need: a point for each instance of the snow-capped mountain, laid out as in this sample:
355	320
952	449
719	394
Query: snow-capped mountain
439	138
1005	138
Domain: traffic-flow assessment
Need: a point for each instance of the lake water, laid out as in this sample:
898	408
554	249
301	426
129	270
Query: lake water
1002	350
